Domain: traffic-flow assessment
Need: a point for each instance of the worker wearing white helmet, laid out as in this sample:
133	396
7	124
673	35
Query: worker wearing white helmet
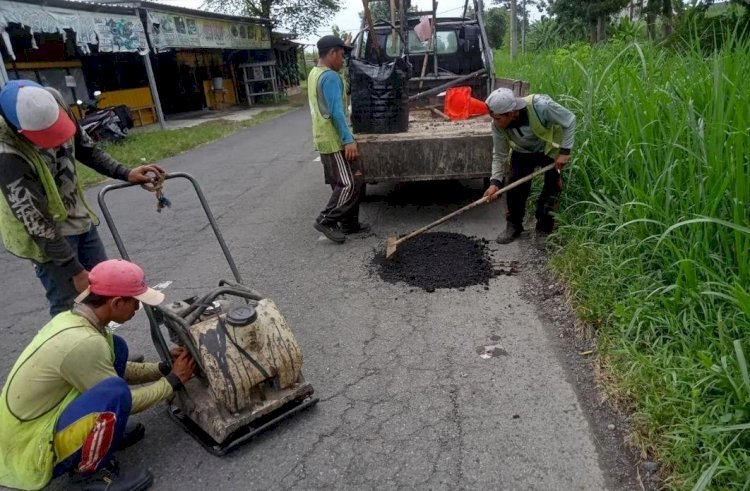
528	132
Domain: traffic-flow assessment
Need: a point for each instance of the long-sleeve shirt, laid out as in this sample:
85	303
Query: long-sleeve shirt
25	194
550	114
331	104
77	357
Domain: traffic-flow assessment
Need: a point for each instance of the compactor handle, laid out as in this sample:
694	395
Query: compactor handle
201	197
156	335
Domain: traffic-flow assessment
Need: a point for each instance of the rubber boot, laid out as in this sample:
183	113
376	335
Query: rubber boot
510	234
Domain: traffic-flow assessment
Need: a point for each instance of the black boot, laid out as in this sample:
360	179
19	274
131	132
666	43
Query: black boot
134	433
111	478
355	228
330	230
510	234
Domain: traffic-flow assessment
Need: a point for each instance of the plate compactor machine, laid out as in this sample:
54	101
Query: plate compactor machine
249	375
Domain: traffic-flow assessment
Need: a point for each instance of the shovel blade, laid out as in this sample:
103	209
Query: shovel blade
390	248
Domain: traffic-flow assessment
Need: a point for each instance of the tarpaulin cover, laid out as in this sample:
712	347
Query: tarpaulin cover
111	32
380	97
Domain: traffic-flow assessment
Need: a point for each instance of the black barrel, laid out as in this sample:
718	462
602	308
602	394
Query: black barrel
380	97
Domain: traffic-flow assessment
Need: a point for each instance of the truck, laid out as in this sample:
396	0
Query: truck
457	54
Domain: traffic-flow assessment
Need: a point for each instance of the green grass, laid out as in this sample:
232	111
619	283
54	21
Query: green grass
151	146
655	241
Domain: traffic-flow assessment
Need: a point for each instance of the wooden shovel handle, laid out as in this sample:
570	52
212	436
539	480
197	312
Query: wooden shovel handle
476	203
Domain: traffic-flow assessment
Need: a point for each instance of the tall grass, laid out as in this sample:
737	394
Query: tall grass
655	233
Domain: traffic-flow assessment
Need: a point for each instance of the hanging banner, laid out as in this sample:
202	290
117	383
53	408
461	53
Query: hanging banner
112	32
170	30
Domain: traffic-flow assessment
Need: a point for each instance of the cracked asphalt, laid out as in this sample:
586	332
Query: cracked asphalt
405	399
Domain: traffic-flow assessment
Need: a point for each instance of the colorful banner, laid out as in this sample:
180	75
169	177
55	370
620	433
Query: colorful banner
170	30
112	32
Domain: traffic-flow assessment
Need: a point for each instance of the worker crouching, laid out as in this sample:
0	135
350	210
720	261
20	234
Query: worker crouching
65	406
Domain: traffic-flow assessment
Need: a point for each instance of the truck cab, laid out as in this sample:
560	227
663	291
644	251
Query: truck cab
458	51
431	147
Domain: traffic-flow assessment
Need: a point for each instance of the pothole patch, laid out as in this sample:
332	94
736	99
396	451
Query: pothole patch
438	260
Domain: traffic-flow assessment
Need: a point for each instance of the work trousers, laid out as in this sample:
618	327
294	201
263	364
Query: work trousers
347	184
523	164
61	293
92	425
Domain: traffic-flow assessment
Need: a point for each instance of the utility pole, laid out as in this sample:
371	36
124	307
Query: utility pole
513	31
523	28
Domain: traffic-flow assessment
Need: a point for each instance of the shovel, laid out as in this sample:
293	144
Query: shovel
393	243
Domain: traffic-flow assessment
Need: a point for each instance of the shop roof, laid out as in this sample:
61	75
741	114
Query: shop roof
181	10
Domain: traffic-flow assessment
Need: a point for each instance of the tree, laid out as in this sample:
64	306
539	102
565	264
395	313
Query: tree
302	17
513	30
653	11
496	23
336	31
595	13
381	11
545	34
522	9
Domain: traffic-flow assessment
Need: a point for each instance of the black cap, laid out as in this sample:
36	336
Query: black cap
327	42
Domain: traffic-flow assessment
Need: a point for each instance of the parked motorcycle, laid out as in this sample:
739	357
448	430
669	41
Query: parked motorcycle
109	123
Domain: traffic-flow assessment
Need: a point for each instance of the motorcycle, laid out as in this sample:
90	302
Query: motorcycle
108	123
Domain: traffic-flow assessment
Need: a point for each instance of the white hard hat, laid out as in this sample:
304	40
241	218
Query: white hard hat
502	101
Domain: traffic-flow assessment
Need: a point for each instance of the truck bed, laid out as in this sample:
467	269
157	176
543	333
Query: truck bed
432	149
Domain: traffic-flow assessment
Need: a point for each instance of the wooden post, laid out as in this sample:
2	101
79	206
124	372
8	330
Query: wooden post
3	74
371	30
427	54
152	85
396	41
246	83
235	82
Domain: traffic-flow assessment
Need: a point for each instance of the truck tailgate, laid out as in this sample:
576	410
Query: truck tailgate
432	149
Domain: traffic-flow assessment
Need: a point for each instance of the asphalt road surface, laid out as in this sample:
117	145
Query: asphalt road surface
405	399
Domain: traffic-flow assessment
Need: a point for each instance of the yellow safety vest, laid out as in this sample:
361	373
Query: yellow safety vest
325	137
27	452
551	136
